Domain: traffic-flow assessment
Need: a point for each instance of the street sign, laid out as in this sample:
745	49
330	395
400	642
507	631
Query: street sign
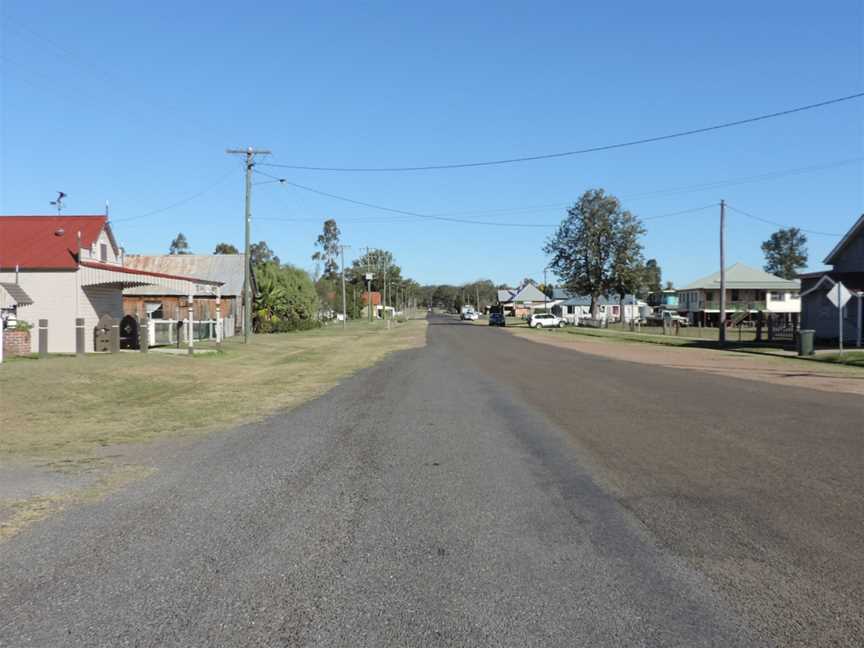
369	276
839	295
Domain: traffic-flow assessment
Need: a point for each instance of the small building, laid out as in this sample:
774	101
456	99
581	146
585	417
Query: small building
818	313
163	304
522	301
573	307
748	291
70	268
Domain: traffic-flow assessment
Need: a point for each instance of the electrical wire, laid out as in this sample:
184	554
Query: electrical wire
776	224
283	181
592	149
188	199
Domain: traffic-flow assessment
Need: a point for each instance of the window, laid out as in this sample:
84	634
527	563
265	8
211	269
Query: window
103	252
778	296
709	296
735	295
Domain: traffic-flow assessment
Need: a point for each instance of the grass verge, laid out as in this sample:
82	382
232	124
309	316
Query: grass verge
63	407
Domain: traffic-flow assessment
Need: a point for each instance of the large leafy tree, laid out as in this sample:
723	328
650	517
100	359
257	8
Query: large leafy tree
225	248
596	247
261	253
286	299
179	245
653	279
785	252
378	262
328	252
628	265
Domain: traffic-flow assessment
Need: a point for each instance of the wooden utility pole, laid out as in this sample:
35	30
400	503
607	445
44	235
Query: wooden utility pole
722	272
344	309
250	154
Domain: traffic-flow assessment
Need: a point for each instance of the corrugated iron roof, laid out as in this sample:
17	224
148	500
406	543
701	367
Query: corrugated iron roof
225	268
46	242
743	276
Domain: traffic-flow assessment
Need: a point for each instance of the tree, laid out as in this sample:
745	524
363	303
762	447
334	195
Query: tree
179	245
260	253
286	299
628	266
653	280
785	252
378	262
328	241
225	248
594	245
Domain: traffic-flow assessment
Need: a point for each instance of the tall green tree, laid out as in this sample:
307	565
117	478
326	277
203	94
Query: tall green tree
594	245
179	245
628	265
286	299
225	248
785	252
653	280
328	252
260	253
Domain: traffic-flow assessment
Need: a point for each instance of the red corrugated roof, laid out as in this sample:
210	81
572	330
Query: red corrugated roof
45	242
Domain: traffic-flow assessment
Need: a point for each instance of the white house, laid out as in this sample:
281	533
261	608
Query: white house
71	267
748	290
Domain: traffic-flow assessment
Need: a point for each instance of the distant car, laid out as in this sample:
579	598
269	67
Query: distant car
675	318
497	319
545	320
469	315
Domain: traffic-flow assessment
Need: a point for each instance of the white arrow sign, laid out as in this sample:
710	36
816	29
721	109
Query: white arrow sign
839	295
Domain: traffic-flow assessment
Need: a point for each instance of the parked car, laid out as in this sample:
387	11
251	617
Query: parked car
497	319
545	320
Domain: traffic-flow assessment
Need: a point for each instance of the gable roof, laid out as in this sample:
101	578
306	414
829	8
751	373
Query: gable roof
743	276
856	230
46	242
227	269
505	295
529	292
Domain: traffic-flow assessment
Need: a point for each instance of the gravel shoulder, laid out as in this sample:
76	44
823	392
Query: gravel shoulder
743	366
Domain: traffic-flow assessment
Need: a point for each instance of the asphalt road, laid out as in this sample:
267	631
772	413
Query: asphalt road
481	491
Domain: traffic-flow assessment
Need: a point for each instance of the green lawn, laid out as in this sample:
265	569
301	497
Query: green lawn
65	406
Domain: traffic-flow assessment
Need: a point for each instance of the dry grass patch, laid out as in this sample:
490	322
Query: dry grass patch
68	406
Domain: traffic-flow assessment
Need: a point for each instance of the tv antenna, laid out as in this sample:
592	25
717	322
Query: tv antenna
59	202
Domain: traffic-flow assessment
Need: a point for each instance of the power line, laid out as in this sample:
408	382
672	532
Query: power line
592	149
776	224
399	211
361	203
221	179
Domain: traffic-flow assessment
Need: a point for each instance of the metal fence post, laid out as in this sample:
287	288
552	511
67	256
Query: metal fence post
80	340
144	335
43	338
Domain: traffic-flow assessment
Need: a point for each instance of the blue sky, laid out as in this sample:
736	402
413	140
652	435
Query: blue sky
135	103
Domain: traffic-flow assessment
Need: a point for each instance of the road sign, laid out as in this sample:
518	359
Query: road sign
369	276
839	295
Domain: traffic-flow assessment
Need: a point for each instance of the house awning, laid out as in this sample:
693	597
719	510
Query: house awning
103	274
16	293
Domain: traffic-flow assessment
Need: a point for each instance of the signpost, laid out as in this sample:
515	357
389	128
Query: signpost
839	295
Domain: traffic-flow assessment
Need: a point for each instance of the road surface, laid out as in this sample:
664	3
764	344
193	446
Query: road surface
481	491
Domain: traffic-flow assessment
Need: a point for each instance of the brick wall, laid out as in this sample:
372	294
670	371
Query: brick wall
16	343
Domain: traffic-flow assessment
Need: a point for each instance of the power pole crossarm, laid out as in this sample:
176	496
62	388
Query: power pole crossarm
250	154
